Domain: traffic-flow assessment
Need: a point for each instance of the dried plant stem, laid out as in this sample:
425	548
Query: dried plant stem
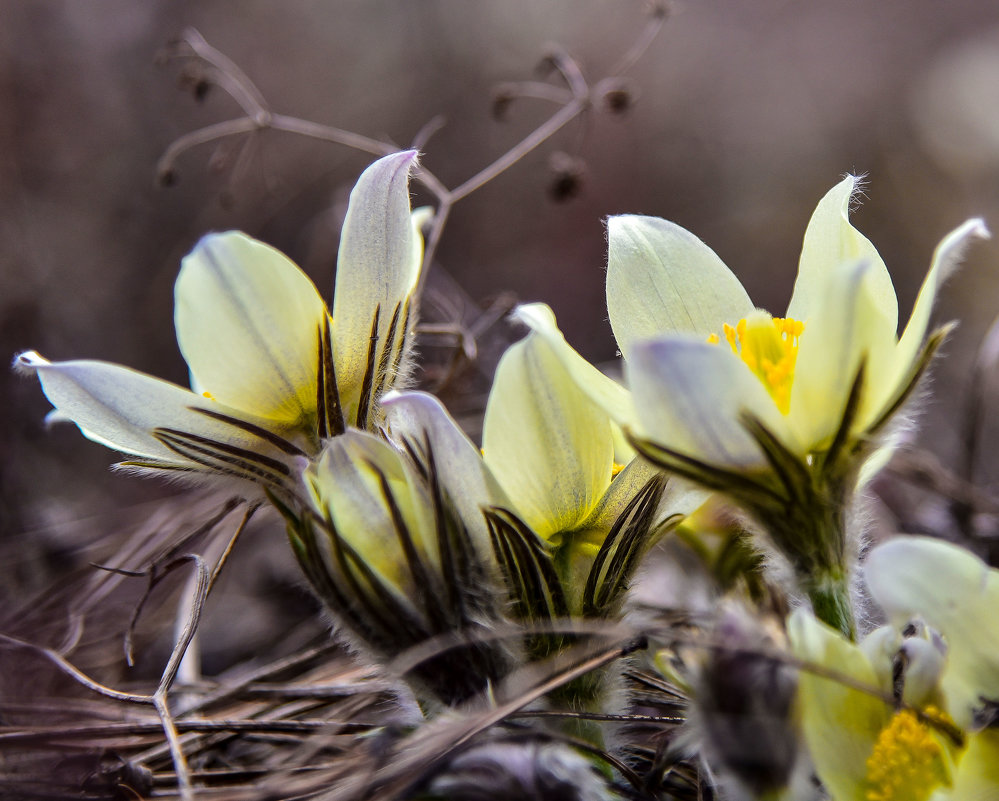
575	99
189	613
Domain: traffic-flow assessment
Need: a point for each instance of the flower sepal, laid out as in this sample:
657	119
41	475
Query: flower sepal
387	553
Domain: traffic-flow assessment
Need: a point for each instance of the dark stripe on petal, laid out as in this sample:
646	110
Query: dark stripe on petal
217	464
334	409
276	440
223	450
367	385
382	376
321	421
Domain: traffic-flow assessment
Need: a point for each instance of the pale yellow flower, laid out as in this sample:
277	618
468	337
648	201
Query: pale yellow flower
272	375
787	416
700	357
386	549
549	467
929	746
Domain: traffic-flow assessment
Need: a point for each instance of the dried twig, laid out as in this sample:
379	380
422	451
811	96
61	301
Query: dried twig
577	98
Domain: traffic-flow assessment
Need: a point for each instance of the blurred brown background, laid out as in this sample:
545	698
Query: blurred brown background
744	115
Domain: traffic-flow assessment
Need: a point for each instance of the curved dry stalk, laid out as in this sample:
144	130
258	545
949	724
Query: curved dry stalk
190	610
577	98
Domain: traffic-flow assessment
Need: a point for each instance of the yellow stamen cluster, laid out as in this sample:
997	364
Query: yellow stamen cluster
769	347
906	763
616	468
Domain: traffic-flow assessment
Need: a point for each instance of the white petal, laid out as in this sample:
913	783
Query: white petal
463	473
689	396
119	408
602	390
248	324
831	244
378	268
946	258
547	443
956	594
849	326
661	279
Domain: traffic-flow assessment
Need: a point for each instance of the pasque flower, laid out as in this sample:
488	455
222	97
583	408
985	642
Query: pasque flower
272	373
785	415
906	714
385	547
552	449
567	525
701	357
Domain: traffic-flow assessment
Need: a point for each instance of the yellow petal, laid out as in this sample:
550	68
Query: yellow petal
122	408
346	485
603	390
832	244
413	417
547	443
841	724
248	324
946	259
847	328
977	777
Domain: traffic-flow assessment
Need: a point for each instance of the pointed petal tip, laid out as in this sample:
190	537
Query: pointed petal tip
27	361
422	217
55	417
618	222
977	227
217	236
533	315
403	160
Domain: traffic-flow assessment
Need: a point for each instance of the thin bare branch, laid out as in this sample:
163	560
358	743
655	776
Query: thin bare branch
74	672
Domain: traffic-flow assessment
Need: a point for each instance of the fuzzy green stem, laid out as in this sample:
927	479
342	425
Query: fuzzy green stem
831	602
585	694
810	530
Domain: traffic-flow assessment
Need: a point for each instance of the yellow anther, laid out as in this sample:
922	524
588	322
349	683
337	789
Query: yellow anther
769	347
907	761
616	468
208	395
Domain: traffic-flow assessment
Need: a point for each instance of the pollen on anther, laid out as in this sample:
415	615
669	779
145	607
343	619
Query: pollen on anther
906	762
769	347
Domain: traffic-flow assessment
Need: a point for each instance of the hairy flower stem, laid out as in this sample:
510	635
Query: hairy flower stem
588	693
831	602
811	532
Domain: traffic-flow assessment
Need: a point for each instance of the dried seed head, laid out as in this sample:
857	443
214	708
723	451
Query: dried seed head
743	706
567	181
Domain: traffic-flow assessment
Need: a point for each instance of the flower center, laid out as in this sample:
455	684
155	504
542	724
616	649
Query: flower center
906	763
769	347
